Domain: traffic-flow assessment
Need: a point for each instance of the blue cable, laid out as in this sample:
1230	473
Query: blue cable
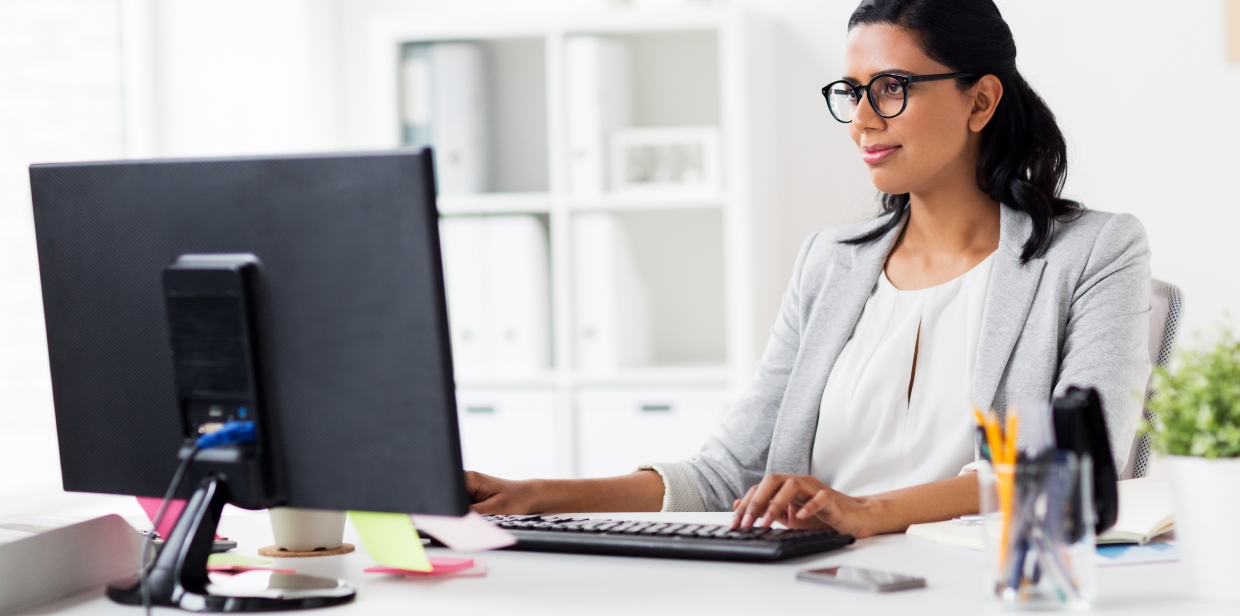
232	433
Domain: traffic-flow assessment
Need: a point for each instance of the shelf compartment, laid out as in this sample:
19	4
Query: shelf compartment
483	105
494	203
651	200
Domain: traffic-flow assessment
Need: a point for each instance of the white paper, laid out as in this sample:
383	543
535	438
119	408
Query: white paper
469	533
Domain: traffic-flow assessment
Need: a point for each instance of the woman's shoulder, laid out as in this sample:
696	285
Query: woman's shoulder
1096	234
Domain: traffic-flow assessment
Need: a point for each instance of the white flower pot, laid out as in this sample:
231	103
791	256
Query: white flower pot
306	530
1207	511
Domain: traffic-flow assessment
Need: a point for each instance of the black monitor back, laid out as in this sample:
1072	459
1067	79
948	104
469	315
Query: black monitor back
359	382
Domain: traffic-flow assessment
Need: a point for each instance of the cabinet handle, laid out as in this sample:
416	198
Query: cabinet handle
656	408
479	409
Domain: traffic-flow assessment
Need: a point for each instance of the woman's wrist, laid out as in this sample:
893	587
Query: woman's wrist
895	511
543	495
880	516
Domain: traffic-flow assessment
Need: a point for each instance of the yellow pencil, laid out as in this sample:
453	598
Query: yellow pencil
1006	480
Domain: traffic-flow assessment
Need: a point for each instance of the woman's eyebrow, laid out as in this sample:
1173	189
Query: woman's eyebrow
886	71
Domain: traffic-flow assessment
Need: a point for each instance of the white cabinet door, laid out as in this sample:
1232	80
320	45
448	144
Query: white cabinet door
621	428
507	432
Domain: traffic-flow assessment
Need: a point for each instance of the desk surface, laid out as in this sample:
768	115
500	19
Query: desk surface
533	583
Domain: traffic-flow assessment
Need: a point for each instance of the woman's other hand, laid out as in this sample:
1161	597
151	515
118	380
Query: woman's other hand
501	496
640	491
802	502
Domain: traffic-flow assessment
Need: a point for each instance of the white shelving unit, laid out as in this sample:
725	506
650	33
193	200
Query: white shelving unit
705	253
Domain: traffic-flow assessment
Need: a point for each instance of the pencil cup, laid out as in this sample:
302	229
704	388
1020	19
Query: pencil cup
1039	532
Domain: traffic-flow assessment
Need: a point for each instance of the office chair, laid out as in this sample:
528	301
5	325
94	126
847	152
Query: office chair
1166	306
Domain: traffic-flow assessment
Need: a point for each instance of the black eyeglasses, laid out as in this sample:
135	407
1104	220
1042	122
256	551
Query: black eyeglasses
888	94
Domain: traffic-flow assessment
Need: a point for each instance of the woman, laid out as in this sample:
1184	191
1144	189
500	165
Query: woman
977	285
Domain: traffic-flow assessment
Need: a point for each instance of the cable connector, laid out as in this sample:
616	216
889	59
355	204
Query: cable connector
231	433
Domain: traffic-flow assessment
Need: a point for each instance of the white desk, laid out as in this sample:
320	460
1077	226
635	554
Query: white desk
533	583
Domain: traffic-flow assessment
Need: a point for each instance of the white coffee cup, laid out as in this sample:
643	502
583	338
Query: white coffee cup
306	530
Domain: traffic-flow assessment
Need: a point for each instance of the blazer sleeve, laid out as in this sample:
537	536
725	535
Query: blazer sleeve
1106	341
735	457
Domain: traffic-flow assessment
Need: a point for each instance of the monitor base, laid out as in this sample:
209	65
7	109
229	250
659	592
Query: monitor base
252	591
179	577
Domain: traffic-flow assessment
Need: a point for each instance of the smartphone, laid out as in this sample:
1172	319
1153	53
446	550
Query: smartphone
861	579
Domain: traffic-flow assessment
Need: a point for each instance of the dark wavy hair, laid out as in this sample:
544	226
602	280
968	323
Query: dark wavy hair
1024	158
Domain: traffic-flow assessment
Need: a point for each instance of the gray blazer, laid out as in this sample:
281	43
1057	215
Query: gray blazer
1079	315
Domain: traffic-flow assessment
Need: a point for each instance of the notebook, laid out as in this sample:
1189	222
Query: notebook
1146	510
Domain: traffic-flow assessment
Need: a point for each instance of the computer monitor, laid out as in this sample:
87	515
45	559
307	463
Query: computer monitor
353	369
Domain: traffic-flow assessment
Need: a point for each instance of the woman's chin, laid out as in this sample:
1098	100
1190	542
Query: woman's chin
886	181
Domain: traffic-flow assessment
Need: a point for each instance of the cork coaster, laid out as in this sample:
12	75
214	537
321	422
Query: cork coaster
272	551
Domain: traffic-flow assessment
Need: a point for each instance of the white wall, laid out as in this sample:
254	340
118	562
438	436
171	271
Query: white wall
59	100
240	77
235	76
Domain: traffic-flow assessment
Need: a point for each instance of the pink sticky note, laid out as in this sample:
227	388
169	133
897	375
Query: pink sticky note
173	513
468	533
151	507
442	566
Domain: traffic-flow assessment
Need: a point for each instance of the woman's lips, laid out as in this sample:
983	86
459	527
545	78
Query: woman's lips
874	154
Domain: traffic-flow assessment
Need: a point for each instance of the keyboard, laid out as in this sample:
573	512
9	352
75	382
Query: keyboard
663	539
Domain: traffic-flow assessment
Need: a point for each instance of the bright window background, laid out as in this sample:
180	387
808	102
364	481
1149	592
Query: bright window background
1142	89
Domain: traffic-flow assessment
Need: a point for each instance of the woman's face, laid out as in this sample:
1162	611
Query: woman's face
938	132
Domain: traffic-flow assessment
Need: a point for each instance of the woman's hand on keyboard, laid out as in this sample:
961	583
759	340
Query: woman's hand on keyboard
504	496
801	502
639	491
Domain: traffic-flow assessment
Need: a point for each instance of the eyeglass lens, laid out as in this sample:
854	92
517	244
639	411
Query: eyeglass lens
887	95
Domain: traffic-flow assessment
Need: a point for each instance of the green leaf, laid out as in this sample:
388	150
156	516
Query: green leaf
1195	406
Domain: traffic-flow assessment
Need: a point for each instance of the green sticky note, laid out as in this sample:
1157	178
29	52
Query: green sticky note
235	560
391	539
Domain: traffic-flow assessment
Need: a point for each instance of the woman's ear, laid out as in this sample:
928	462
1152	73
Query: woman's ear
987	93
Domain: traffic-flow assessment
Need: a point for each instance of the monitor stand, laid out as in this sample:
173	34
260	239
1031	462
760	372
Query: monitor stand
179	576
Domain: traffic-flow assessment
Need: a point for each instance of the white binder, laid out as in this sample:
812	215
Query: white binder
598	82
463	240
444	98
498	281
519	289
611	306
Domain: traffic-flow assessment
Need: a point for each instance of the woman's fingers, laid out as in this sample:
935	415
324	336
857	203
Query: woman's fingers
740	505
762	497
780	501
815	505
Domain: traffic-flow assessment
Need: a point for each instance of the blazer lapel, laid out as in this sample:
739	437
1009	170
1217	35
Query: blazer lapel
829	325
1012	287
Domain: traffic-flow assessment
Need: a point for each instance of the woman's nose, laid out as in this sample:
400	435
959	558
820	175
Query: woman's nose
865	118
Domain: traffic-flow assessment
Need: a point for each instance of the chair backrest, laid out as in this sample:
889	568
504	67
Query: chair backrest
1166	306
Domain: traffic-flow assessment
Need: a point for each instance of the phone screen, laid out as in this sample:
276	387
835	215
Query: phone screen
862	579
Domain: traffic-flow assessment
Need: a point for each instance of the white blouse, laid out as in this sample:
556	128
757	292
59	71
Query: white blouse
874	434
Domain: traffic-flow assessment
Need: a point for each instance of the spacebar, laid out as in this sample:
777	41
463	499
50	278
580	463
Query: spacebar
637	545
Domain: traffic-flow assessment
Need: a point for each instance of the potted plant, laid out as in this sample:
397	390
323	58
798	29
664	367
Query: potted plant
1195	424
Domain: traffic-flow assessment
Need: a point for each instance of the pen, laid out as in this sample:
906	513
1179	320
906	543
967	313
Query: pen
983	440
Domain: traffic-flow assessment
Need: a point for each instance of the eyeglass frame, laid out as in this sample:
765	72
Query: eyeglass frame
905	80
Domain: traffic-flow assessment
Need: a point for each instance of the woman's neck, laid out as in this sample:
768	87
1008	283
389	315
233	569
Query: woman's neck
954	218
949	231
952	223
